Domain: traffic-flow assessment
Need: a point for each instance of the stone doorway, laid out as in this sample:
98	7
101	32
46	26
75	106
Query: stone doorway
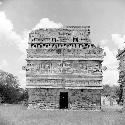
63	100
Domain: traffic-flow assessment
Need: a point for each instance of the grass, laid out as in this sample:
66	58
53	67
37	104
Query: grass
19	115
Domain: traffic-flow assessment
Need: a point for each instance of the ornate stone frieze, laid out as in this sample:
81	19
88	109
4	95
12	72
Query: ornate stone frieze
38	68
87	52
56	82
60	35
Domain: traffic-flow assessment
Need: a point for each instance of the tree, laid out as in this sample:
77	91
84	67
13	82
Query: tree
106	90
24	96
114	91
9	87
119	92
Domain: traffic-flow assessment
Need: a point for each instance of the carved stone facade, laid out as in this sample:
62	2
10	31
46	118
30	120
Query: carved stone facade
63	66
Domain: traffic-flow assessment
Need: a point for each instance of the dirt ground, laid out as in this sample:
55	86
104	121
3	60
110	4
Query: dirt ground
20	115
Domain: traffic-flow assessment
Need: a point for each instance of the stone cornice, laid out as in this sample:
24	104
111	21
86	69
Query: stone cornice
68	87
66	58
68	76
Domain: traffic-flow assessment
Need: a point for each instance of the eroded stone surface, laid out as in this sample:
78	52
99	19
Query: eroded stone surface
63	60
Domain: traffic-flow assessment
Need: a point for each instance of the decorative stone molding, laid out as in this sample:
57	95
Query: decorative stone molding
66	82
65	52
38	68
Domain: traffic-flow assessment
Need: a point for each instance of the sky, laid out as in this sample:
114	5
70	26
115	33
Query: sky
18	17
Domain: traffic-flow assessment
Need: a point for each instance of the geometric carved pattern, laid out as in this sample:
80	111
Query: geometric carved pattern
65	67
64	53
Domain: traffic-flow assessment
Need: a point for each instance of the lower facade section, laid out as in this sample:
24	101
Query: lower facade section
57	98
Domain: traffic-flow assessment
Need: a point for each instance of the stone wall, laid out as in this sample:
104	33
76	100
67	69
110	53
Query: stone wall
85	99
77	98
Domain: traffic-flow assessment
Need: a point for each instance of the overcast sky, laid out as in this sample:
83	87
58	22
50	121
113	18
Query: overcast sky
18	17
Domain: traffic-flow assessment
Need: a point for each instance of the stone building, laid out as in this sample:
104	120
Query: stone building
121	57
64	69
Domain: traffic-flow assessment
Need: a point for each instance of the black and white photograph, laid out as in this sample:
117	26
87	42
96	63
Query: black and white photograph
62	62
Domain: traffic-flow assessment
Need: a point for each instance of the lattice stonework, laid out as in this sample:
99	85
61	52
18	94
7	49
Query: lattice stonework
63	69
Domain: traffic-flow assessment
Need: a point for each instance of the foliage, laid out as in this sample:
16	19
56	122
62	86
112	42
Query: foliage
106	90
10	90
112	91
24	95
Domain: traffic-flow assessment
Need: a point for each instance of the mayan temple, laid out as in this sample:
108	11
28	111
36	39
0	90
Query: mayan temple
64	69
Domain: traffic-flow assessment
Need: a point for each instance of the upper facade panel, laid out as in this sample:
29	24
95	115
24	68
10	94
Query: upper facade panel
71	42
69	34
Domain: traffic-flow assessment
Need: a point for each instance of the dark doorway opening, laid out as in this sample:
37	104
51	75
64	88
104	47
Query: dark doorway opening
63	100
